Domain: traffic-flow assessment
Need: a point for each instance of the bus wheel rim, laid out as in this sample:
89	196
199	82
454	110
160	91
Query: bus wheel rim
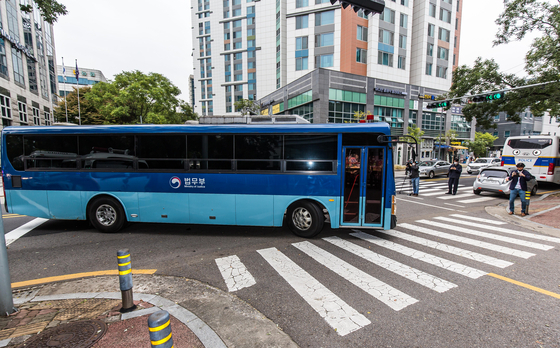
302	219
106	215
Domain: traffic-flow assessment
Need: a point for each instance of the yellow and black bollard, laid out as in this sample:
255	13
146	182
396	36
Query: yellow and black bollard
125	280
527	201
159	325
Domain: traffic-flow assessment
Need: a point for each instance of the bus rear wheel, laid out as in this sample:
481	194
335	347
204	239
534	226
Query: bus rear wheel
305	219
106	214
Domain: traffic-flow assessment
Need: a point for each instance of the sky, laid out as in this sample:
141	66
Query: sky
125	35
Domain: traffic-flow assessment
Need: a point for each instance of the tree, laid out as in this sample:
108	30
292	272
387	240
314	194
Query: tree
519	18
482	142
135	97
88	112
360	115
247	107
50	9
415	133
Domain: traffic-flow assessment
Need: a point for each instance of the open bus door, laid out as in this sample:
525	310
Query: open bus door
363	187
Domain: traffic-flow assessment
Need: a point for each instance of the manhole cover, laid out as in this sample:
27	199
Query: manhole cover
77	334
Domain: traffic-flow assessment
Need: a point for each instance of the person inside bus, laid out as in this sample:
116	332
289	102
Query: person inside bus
454	174
518	186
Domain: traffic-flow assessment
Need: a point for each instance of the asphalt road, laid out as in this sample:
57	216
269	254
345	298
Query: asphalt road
425	285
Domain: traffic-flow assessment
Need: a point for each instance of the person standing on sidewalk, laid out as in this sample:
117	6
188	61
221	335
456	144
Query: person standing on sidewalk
454	174
414	178
518	186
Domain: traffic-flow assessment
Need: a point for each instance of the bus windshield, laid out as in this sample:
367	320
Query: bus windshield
529	143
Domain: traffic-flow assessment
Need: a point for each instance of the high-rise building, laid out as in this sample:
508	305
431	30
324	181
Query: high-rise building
246	49
28	83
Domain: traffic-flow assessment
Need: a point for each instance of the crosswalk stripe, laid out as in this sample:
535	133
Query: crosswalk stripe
486	235
385	293
474	218
422	256
337	313
505	230
235	273
418	276
441	192
464	195
476	200
14	235
444	247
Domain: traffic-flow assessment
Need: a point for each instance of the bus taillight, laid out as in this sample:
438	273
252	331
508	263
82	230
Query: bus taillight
550	169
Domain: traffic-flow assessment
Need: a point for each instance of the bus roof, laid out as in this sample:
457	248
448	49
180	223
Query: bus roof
377	127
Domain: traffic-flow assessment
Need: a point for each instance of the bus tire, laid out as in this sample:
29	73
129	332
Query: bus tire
106	214
305	219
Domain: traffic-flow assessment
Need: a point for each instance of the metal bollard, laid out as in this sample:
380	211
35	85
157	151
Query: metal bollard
125	280
159	325
527	201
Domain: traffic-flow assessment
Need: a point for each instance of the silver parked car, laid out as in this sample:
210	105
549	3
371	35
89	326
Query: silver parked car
493	179
476	166
433	168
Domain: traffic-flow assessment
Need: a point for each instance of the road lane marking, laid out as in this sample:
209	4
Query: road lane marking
504	230
14	235
337	313
534	288
444	247
416	275
422	256
76	276
486	235
476	200
474	218
431	205
455	205
464	195
235	273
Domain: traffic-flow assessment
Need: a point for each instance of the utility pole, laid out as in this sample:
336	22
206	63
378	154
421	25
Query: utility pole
6	299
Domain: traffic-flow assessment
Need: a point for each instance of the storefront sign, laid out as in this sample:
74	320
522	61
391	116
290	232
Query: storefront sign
390	91
275	109
17	45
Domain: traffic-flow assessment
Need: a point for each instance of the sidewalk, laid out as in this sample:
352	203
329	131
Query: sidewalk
201	316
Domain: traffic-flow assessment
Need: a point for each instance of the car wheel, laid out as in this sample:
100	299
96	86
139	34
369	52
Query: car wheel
106	214
534	190
476	192
305	219
431	175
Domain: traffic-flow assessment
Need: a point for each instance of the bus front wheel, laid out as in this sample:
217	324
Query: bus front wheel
305	219
106	214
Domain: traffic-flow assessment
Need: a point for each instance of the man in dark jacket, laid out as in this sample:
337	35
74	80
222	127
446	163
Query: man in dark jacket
518	186
414	178
454	174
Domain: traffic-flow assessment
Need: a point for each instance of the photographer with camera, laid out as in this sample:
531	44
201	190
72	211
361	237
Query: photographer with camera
518	186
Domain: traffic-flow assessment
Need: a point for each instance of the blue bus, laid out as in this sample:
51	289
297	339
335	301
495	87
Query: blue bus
299	176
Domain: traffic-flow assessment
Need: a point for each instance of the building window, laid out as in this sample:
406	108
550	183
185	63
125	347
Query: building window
301	63
251	65
431	30
444	34
226	25
236	12
36	117
388	15
362	33
386	37
361	14
402	41
506	134
237	45
227	47
238	77
445	15
401	64
430	51
238	88
443	53
385	58
324	18
22	112
251	32
404	3
441	72
48	121
326	39
250	9
429	69
325	61
361	55
302	22
301	43
238	66
404	20
237	23
432	10
5	107
250	43
342	112
302	3
238	56
237	34
17	62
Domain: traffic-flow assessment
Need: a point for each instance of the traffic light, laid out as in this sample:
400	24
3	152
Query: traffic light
442	104
369	6
488	97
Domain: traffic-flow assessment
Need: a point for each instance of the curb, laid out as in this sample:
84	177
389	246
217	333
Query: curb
203	332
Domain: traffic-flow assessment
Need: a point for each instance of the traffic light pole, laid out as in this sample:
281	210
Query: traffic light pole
6	299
